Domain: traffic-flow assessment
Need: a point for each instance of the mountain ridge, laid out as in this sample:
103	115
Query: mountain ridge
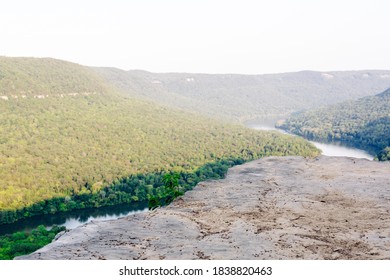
29	77
364	123
237	97
61	142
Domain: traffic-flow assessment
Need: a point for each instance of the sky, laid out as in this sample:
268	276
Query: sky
201	36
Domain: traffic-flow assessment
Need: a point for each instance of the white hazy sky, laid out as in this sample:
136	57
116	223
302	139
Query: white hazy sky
210	36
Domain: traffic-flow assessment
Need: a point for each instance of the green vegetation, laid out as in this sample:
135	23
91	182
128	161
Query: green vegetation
171	190
23	243
71	144
42	77
384	155
137	187
246	97
364	123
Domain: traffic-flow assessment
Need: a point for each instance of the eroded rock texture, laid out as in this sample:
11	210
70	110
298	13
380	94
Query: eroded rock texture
273	208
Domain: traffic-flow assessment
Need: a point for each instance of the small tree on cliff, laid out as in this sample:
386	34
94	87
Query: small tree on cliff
169	193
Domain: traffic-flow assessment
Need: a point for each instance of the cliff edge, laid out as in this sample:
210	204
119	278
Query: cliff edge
272	208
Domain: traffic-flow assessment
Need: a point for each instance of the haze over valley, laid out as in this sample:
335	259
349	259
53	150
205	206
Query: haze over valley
67	132
247	97
77	137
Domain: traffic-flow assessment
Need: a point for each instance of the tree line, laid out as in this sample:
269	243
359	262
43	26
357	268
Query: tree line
138	187
23	243
364	123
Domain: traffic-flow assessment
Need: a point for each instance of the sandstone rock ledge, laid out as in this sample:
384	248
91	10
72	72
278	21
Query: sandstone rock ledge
273	208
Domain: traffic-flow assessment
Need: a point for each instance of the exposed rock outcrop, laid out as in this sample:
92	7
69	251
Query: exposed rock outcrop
273	208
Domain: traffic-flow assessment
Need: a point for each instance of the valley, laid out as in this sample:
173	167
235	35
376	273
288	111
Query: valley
58	153
75	139
241	98
362	123
336	149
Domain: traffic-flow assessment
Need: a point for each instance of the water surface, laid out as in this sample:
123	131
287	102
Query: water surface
76	218
336	149
73	219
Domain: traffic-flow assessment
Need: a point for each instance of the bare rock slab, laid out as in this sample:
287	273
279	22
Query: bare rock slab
272	208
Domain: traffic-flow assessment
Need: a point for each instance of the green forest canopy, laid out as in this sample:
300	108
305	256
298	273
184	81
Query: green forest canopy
62	135
246	97
22	243
364	123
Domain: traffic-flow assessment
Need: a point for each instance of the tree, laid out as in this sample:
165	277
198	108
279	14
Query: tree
169	192
171	181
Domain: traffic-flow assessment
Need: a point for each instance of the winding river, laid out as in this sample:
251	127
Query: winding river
76	218
333	149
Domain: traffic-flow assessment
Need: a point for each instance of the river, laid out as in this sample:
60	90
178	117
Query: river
328	149
75	218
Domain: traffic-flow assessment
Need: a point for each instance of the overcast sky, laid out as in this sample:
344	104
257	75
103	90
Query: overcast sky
208	36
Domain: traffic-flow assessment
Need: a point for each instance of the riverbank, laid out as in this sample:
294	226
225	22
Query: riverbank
140	187
273	208
335	149
75	218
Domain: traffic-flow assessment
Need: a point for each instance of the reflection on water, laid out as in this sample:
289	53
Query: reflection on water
75	218
338	150
334	149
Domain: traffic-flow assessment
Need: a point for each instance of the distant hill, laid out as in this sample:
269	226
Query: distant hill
245	97
43	77
365	123
64	132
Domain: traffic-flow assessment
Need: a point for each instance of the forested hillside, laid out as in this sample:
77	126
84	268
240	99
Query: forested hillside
43	77
364	123
65	133
246	97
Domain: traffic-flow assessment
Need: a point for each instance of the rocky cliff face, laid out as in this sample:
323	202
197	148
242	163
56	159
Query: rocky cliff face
273	208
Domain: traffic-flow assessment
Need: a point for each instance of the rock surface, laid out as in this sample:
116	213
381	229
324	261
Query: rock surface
273	208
